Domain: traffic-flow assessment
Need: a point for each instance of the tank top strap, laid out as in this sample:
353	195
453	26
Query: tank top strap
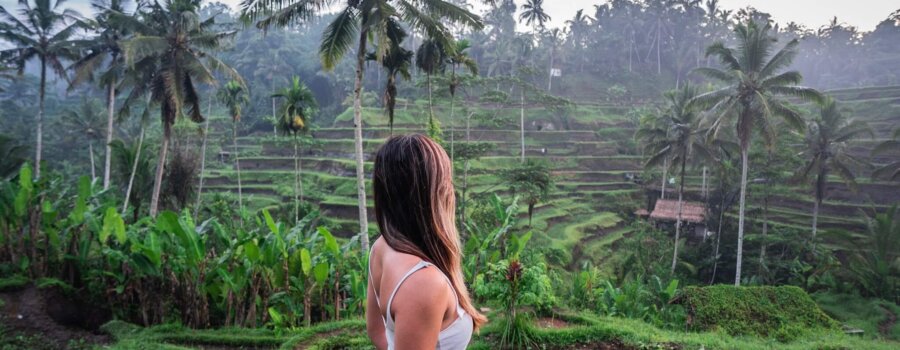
369	266
418	266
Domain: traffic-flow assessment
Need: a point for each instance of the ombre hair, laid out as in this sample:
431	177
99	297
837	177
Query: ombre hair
415	206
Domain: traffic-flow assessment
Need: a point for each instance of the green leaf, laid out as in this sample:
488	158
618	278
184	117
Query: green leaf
321	272
84	191
113	224
270	222
251	251
305	261
23	197
330	242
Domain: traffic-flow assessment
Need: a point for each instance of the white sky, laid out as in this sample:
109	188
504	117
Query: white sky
864	14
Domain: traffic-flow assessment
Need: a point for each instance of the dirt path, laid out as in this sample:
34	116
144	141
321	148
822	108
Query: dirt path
25	312
884	327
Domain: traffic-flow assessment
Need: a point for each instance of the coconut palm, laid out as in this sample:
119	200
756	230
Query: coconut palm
171	50
85	123
873	256
41	31
358	22
683	142
654	129
234	96
828	150
431	58
458	58
754	85
298	107
395	62
105	47
533	14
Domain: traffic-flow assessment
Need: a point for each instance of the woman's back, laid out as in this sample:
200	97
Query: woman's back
404	277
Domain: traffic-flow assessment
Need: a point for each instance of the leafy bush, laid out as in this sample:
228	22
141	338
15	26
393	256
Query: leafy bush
644	299
781	312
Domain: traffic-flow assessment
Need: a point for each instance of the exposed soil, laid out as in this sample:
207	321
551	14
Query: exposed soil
52	317
890	319
549	322
604	345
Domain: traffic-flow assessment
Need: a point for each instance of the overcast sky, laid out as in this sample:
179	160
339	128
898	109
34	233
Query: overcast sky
864	14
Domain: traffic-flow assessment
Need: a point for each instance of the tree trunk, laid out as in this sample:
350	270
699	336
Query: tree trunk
111	112
522	123
137	158
160	168
452	98
765	233
91	153
658	39
203	160
740	245
357	121
237	168
431	125
662	193
296	186
678	215
703	187
40	121
819	193
719	232
550	72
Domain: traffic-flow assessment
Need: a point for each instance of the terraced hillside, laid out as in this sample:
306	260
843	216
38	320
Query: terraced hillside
591	149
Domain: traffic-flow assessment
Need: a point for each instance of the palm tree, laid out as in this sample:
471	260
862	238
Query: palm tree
395	62
234	96
171	49
298	108
578	27
85	122
827	150
431	58
43	33
890	171
651	130
105	47
357	22
459	57
754	85
683	142
533	14
872	256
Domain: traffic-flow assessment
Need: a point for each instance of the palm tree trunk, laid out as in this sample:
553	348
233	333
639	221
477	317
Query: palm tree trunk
719	233
452	98
137	158
550	72
703	187
740	246
160	168
522	123
91	153
819	193
765	233
678	215
358	141
40	121
111	111
237	168
203	160
815	220
432	126
296	180
662	192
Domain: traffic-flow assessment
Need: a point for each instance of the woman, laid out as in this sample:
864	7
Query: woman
416	295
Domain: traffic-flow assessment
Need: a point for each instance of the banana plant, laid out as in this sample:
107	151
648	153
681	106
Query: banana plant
485	245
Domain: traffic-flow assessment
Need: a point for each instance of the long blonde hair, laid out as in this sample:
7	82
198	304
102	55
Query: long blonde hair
415	206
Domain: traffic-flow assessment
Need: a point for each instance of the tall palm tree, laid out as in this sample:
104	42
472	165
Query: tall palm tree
44	32
431	58
395	62
533	15
684	142
754	85
827	150
358	21
234	96
298	108
651	130
171	47
459	58
85	122
105	47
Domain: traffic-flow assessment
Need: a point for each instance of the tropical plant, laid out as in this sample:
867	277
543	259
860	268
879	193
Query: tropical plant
85	123
134	170
12	156
431	58
754	85
532	181
360	21
889	171
234	96
171	49
533	14
296	111
459	57
105	47
874	255
828	150
42	31
396	61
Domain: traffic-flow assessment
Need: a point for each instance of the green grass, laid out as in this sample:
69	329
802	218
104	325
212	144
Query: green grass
861	313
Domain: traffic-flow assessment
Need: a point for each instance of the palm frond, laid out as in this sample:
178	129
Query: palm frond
714	73
804	93
780	60
338	38
783	79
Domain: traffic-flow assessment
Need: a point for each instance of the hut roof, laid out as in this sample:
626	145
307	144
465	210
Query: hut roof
666	209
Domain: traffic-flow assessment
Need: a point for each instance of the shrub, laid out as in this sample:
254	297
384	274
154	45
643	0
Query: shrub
781	312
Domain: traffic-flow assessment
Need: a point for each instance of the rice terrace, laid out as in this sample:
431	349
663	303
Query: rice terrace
627	174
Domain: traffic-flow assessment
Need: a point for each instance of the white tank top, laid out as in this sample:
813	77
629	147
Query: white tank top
456	336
